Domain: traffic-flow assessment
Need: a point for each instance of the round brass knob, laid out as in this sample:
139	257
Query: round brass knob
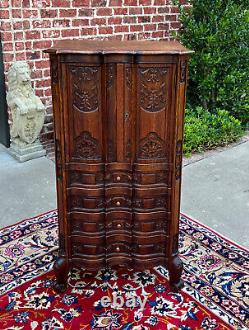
118	203
119	225
118	178
117	248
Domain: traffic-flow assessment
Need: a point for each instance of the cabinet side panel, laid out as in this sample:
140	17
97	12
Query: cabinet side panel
59	151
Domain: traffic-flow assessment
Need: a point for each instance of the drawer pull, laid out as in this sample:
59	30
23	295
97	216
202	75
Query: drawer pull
118	203
118	178
117	248
119	225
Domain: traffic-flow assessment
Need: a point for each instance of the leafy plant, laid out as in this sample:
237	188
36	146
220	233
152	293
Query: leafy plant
218	32
205	130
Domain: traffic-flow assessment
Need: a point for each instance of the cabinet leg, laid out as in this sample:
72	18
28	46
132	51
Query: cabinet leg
61	272
175	271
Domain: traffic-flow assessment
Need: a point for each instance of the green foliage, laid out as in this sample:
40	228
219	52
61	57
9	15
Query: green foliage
218	32
205	130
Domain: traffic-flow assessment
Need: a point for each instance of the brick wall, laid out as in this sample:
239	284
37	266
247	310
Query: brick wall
29	26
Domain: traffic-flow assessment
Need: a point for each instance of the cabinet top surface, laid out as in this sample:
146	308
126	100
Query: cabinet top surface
118	47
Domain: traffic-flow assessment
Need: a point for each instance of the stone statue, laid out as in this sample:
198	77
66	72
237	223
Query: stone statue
27	111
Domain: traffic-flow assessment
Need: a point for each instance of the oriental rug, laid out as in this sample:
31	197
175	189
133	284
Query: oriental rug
215	295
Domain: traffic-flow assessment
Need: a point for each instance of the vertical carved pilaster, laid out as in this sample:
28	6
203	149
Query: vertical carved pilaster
178	160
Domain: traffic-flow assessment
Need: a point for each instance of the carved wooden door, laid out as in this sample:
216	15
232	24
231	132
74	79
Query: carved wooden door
118	124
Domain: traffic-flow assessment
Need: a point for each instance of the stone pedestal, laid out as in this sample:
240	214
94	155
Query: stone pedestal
27	152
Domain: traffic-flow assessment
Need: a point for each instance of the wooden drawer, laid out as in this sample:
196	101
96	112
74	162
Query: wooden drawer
151	222
149	249
156	173
118	221
118	173
151	199
118	197
82	199
85	174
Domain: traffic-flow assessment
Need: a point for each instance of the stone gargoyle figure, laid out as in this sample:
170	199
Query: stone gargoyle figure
27	110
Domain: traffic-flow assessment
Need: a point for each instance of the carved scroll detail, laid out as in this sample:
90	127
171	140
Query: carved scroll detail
85	88
183	72
152	89
110	75
87	147
178	160
151	147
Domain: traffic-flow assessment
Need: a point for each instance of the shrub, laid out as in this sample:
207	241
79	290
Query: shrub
205	130
218	32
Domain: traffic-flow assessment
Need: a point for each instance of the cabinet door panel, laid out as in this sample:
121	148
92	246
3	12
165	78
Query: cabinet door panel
85	113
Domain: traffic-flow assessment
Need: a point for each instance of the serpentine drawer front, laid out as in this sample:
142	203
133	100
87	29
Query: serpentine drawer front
118	115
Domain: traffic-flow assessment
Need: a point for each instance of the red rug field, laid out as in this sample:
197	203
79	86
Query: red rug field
215	295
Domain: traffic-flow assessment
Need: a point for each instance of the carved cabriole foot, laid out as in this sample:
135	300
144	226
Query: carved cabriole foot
61	272
175	271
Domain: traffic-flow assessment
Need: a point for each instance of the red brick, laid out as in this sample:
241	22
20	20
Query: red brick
26	24
135	11
174	9
80	22
6	36
42	44
114	20
144	19
150	10
19	36
18	25
61	3
175	25
115	3
41	24
160	2
86	12
30	35
98	21
20	56
4	14
158	18
171	18
33	55
162	10
88	31
120	11
81	3
4	3
106	30
5	26
7	46
68	12
41	64
157	34
130	19
47	92
16	13
121	28
36	74
8	57
43	83
163	26
28	45
104	12
70	33
30	13
19	46
46	73
130	2
51	34
49	13
99	3
24	3
136	28
149	27
145	2
61	23
39	92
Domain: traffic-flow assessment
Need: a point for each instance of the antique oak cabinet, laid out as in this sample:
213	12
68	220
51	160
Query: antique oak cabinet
118	117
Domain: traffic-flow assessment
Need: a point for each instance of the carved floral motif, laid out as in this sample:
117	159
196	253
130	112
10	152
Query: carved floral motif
86	147
152	89
151	147
85	88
